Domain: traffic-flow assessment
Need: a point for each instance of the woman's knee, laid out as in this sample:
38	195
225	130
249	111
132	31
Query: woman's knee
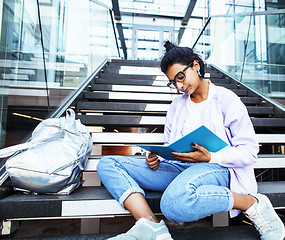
167	207
111	163
104	163
177	204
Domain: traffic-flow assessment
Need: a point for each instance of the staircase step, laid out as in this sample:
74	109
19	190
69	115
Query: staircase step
121	138
244	232
95	202
149	76
130	76
265	161
127	96
220	80
131	88
121	106
133	120
157	89
84	201
122	120
268	122
147	82
259	110
121	69
144	63
250	100
147	63
148	97
150	107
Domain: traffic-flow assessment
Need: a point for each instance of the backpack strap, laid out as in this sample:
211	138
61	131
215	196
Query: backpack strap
8	151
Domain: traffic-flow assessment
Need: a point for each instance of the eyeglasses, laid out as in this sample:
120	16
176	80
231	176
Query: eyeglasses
179	77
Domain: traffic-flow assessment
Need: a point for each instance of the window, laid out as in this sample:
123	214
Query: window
144	1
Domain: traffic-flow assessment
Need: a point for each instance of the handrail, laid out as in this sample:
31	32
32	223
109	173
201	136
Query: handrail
263	64
112	20
202	31
115	34
245	48
43	54
271	12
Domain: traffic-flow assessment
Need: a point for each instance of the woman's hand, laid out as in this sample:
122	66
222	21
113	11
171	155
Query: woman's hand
200	155
152	161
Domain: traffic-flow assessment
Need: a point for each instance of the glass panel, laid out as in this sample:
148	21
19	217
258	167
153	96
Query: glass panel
76	36
76	32
250	48
22	71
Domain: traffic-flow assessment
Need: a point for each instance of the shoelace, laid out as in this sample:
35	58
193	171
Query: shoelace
260	222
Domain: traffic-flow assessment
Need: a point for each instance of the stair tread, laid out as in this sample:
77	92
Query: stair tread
133	120
149	76
147	89
148	97
150	107
101	193
146	81
19	205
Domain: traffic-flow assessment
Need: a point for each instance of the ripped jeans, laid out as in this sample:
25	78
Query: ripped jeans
191	190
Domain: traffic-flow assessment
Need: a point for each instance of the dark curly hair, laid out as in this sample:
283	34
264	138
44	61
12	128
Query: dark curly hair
182	55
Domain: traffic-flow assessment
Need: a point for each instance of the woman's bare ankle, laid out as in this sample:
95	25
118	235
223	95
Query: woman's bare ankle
152	218
243	201
251	200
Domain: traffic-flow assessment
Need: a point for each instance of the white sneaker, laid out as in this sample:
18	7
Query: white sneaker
146	230
265	219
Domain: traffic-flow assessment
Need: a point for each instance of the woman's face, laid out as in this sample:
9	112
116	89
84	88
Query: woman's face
192	79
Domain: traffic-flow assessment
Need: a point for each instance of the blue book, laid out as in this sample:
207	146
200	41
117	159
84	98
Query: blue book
201	136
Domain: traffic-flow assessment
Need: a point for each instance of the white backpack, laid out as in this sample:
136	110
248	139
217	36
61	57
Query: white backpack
52	160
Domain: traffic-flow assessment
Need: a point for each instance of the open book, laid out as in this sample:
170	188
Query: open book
201	136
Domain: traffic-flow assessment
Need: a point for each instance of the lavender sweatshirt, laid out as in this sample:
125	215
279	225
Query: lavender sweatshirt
226	116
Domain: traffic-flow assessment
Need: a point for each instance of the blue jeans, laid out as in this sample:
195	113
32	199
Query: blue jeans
191	190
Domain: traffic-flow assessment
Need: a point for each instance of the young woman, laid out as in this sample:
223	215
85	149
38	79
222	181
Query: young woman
198	183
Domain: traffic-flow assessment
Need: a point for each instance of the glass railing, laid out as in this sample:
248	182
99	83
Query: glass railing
249	47
47	50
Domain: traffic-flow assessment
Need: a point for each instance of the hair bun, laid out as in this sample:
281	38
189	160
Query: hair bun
168	45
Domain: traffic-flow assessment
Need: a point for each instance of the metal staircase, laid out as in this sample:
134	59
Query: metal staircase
125	104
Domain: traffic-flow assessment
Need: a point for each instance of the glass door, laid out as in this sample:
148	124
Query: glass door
148	42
